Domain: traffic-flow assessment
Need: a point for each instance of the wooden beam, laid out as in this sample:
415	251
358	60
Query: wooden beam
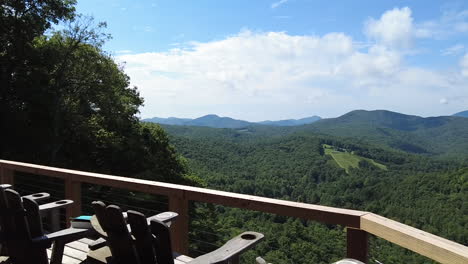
426	244
7	176
357	244
180	229
73	192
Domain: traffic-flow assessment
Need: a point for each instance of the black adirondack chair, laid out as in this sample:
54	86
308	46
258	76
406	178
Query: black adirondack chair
151	244
23	235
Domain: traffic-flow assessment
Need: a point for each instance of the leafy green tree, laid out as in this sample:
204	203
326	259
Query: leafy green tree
65	102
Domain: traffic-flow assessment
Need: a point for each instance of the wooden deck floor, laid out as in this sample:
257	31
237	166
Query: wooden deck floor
76	252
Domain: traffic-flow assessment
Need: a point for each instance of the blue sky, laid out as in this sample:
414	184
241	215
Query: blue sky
278	59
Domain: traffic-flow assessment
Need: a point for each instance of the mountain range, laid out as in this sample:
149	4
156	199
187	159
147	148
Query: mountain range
227	122
216	121
435	136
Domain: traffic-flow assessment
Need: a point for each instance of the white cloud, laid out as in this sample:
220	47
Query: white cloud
451	22
453	50
279	3
461	27
464	65
394	28
275	75
124	51
148	29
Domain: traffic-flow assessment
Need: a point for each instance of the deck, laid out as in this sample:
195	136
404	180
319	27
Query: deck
359	224
76	252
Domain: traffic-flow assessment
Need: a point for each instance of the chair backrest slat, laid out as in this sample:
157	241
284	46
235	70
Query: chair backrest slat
33	217
118	237
144	240
163	244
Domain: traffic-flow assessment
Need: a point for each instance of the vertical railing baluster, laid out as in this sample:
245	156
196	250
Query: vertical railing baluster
357	244
180	228
73	192
7	176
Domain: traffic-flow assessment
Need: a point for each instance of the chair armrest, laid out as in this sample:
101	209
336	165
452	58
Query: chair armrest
232	248
98	243
54	205
37	196
166	217
65	236
69	234
5	186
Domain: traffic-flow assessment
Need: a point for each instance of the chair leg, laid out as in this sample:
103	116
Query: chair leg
57	252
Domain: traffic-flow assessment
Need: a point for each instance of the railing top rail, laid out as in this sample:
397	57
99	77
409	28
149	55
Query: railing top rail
325	214
434	247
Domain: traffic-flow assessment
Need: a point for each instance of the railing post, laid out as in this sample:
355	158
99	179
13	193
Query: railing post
357	244
180	228
73	192
7	176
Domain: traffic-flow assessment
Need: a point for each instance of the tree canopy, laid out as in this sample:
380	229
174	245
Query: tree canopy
66	102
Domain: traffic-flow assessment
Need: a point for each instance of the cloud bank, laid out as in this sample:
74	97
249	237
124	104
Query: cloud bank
275	75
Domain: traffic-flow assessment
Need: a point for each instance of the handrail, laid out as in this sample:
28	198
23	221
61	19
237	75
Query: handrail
358	223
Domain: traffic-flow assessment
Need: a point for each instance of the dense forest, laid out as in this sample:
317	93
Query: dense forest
65	102
421	191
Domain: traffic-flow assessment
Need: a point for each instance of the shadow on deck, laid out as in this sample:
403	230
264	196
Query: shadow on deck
76	252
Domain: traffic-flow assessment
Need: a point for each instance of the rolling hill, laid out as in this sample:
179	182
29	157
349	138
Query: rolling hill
462	114
444	135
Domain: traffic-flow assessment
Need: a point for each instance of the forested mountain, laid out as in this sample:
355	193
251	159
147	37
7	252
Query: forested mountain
227	122
443	136
168	121
413	189
462	114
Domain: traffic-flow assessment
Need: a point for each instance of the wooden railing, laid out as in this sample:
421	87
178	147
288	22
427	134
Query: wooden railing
358	223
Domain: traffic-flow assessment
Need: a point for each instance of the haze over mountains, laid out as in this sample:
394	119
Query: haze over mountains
227	122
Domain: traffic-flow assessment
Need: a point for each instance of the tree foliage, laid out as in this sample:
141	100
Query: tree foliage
65	102
417	190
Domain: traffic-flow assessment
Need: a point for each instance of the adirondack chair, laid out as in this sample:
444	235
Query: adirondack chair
51	210
35	196
151	244
22	233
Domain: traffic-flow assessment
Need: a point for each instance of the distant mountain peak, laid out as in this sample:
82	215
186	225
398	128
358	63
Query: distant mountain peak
209	116
462	114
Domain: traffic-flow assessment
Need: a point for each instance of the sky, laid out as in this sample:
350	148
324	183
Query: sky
279	59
